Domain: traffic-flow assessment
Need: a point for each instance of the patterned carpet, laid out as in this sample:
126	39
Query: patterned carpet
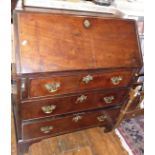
132	131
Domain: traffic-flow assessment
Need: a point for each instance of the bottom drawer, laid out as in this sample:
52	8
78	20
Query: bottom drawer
69	123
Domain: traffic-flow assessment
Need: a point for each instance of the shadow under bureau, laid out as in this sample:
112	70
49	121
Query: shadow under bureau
73	71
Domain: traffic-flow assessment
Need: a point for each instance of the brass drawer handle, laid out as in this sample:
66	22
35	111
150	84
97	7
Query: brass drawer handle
48	109
86	23
102	118
87	79
77	118
108	99
81	99
46	129
116	80
52	87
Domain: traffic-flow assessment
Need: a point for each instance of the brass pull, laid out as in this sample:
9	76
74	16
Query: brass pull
52	87
86	23
77	118
81	99
102	118
116	80
48	109
108	99
87	79
46	129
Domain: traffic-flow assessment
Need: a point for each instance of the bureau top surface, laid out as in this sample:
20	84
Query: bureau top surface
49	42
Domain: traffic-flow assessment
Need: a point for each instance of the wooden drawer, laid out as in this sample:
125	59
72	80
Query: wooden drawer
68	124
76	83
74	103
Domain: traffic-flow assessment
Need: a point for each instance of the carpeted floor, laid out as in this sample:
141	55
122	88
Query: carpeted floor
132	131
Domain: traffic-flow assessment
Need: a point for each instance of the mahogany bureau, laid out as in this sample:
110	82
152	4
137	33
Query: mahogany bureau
73	71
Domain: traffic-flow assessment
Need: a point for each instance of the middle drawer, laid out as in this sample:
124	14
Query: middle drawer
68	104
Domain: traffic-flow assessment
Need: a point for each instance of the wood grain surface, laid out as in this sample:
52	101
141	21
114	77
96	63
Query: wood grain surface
57	42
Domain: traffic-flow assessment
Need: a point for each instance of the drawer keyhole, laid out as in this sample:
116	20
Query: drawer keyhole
87	23
102	118
52	87
77	118
48	109
87	79
46	129
116	80
81	99
108	99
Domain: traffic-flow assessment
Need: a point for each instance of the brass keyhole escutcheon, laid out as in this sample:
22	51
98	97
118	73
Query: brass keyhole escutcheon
116	80
87	79
102	118
108	99
48	109
52	87
87	23
77	118
81	99
46	129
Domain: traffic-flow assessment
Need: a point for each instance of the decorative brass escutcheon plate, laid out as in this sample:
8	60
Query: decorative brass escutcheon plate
116	80
52	87
87	23
108	99
46	129
81	99
77	118
48	109
87	79
101	118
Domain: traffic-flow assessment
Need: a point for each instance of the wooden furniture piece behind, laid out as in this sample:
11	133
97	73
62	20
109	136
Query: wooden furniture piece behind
73	71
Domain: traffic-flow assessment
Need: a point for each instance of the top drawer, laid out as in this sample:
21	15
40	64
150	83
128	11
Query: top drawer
54	85
60	42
